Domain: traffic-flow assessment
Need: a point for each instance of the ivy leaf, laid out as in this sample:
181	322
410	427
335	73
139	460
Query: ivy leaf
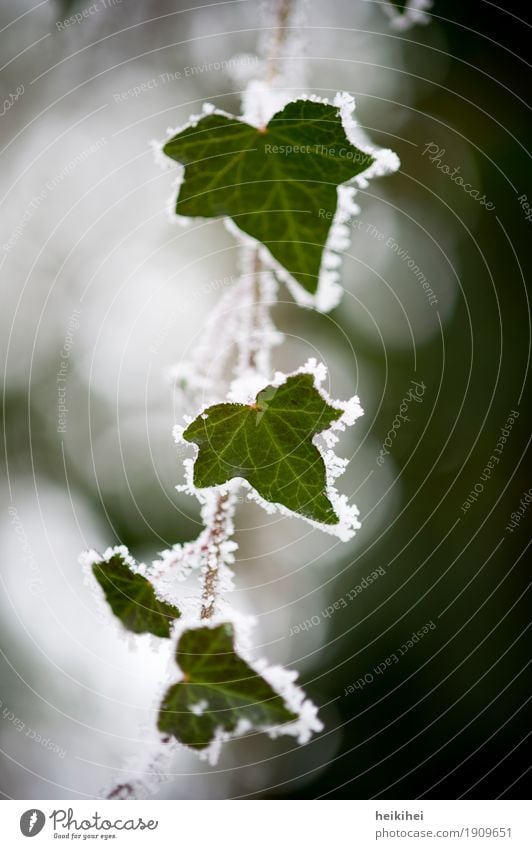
269	443
219	691
278	183
132	598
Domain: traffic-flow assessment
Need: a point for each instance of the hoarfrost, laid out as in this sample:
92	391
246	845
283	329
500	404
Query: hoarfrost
147	770
199	708
414	12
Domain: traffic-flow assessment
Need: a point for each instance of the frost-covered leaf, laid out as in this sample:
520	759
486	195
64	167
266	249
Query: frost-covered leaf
219	693
278	183
132	598
269	443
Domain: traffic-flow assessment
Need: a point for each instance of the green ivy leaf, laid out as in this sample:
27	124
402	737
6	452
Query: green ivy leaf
132	598
218	690
278	184
269	443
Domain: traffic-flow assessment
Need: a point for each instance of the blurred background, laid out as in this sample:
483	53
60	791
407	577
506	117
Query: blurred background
102	293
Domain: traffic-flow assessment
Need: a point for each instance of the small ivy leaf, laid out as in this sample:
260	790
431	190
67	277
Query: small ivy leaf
219	693
269	444
278	183
132	597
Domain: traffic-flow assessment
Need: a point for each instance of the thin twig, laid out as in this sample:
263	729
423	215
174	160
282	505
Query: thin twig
282	13
219	528
122	791
249	362
218	534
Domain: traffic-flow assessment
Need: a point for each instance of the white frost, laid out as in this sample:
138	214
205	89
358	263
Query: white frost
414	12
199	708
261	101
145	772
282	681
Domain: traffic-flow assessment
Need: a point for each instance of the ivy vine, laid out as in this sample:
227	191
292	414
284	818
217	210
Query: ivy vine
283	176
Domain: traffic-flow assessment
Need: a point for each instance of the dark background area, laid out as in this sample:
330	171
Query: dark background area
453	719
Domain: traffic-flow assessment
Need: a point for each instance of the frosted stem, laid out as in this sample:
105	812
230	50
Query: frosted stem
256	294
255	341
256	331
219	532
149	770
281	14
